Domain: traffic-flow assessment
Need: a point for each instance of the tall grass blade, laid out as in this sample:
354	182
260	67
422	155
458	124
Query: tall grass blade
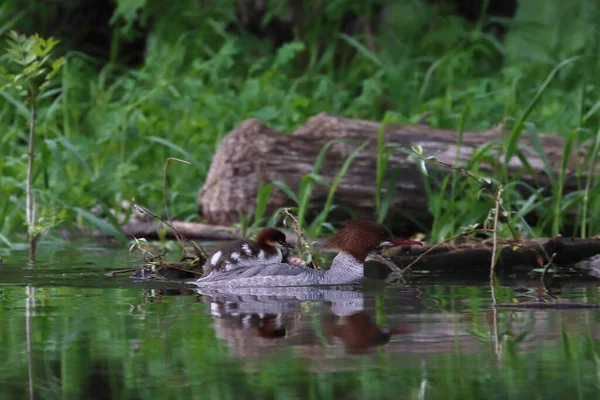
388	195
539	150
365	52
5	240
262	201
588	181
515	133
287	191
180	150
101	224
558	188
383	156
306	183
327	207
459	140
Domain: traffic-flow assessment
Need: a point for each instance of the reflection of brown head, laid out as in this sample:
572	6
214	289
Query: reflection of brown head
359	332
270	327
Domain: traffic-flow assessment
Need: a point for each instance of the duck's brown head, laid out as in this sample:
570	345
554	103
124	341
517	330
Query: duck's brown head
360	237
272	237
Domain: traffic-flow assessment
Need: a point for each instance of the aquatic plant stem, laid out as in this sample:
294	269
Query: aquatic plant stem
497	199
29	201
167	215
302	242
29	306
545	273
165	183
495	338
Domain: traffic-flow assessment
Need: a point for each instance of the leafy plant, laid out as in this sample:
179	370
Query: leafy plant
32	82
201	73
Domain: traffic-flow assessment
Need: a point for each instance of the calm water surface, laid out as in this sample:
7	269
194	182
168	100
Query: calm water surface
68	331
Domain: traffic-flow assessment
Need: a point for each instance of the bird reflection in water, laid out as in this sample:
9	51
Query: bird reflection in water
359	333
254	323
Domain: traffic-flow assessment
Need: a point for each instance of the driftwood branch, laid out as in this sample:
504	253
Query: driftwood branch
253	155
573	256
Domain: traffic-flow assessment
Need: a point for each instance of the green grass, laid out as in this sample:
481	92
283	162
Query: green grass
104	135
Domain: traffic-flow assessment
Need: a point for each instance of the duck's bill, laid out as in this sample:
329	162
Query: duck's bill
288	245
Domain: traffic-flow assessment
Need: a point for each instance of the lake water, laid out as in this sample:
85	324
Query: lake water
68	331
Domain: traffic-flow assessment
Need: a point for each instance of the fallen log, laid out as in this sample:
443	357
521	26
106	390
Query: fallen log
253	155
189	230
572	257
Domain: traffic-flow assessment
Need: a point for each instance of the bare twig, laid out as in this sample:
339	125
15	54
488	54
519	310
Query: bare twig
180	238
171	266
545	272
451	238
381	259
457	169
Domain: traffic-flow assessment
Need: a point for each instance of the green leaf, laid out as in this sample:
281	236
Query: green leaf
287	52
5	240
262	201
423	167
417	148
362	50
318	179
287	191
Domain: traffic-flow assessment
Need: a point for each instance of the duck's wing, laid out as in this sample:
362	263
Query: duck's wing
258	273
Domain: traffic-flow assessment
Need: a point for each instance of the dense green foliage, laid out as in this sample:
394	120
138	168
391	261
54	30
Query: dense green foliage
105	133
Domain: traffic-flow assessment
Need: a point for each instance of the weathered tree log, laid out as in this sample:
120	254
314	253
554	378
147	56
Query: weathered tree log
574	257
253	155
189	230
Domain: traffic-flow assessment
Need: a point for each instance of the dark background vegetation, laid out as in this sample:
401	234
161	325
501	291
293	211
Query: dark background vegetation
145	79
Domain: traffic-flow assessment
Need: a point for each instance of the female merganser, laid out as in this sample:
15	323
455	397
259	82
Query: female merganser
355	240
242	253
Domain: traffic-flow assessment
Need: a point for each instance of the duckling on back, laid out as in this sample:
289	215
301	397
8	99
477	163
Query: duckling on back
270	247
